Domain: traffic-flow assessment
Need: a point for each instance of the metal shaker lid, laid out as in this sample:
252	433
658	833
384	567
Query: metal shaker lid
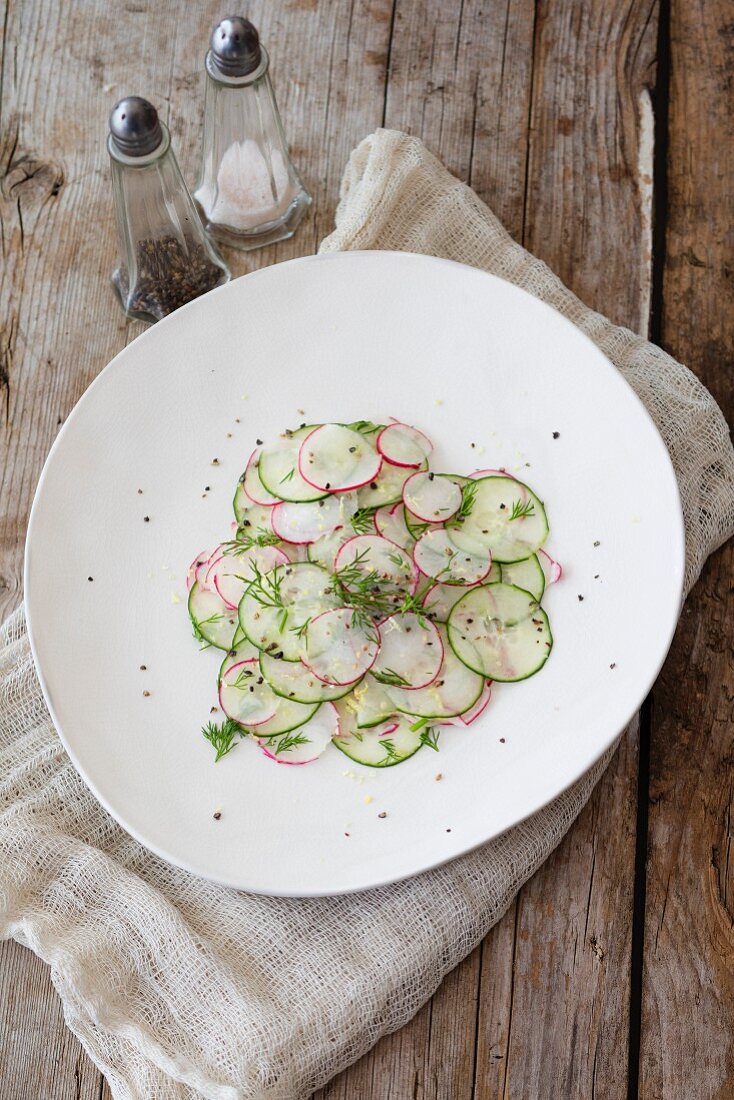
235	47
135	129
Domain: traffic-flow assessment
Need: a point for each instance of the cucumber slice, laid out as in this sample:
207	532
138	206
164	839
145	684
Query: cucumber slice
386	488
455	690
369	703
411	652
241	502
440	598
275	609
526	574
437	556
231	571
245	696
308	741
278	469
289	716
324	550
506	518
255	521
432	498
292	680
334	458
372	556
501	632
378	749
212	620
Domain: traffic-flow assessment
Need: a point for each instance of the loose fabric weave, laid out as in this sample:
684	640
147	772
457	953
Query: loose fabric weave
180	989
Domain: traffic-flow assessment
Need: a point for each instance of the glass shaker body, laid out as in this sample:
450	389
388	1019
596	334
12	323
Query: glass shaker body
249	192
166	258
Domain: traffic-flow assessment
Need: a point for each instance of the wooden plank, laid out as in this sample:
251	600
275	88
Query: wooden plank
687	1008
39	1056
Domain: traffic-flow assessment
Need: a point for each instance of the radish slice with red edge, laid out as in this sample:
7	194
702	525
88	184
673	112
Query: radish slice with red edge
479	474
305	523
411	652
471	715
373	555
192	573
306	743
438	557
338	649
402	445
245	696
431	497
232	572
390	523
334	458
253	486
440	598
553	569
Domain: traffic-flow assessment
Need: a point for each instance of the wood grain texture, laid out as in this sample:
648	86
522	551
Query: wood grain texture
688	975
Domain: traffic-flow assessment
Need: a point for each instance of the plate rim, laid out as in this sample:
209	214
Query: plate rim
520	817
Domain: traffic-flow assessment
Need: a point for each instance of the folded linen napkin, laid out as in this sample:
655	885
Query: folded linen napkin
181	989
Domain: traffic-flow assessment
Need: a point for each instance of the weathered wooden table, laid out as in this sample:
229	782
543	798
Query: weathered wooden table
601	132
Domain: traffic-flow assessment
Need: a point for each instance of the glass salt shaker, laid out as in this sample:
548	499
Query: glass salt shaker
249	192
166	258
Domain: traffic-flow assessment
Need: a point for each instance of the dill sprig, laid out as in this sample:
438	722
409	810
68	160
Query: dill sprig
390	678
266	587
468	496
290	741
363	522
197	624
222	737
247	539
520	510
430	737
391	752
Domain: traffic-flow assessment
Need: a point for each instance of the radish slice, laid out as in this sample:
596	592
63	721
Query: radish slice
304	523
307	742
253	486
289	716
334	458
432	498
337	649
273	616
292	680
387	487
402	445
390	523
553	569
437	556
455	690
323	551
479	474
374	556
232	572
245	696
278	468
411	652
192	573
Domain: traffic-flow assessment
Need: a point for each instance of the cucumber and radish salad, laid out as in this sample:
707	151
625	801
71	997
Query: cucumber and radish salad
366	601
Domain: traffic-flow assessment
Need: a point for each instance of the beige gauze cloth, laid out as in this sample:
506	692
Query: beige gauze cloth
178	988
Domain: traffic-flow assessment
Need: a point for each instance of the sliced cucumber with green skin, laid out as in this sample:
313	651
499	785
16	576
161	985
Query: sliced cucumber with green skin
212	621
526	574
304	591
241	502
376	750
501	632
324	550
415	526
245	696
387	487
440	598
255	521
455	690
289	716
506	518
278	469
369	704
292	680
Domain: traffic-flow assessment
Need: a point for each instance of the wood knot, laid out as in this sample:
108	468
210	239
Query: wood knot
32	179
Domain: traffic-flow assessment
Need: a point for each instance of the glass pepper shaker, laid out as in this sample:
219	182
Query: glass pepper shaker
166	258
249	192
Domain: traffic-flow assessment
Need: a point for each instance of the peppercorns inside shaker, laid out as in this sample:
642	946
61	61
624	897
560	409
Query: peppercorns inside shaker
166	258
249	192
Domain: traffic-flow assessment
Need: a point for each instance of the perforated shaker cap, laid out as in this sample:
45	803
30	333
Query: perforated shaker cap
135	127
235	47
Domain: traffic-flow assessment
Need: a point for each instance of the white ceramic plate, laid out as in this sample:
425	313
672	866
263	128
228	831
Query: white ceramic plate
463	355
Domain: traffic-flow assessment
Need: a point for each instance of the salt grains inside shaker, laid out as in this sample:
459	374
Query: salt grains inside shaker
249	192
166	258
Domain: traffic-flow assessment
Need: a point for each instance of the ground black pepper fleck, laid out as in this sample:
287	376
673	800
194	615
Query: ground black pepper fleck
140	491
597	543
383	814
146	519
556	435
581	599
170	273
502	740
217	815
90	578
259	442
146	694
613	664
